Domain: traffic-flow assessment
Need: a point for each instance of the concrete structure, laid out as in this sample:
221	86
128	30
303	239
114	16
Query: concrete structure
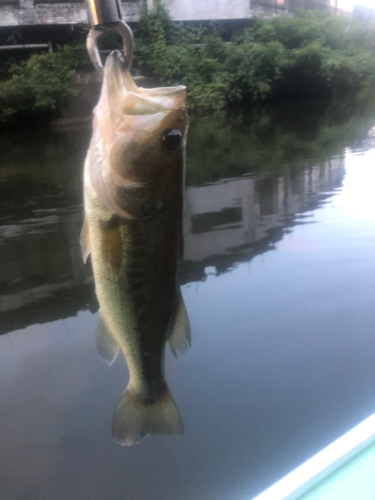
40	12
71	12
189	10
28	12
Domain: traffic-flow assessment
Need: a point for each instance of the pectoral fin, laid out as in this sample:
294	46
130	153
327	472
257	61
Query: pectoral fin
180	339
106	345
85	241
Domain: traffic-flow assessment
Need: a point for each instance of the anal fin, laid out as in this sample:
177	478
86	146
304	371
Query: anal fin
107	347
180	339
85	241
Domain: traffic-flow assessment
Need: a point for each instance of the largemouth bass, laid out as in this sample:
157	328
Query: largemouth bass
133	192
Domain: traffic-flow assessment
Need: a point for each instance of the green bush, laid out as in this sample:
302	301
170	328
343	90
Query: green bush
308	54
36	85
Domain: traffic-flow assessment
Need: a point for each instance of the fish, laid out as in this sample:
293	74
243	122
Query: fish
134	176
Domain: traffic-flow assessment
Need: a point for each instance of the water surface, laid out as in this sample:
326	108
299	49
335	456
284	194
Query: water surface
278	281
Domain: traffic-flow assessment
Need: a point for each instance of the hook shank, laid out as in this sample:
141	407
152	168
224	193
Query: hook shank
106	15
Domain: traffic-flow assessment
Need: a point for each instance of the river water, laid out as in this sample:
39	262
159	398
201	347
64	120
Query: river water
279	284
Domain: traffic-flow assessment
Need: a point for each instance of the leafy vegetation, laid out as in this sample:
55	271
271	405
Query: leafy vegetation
37	85
308	54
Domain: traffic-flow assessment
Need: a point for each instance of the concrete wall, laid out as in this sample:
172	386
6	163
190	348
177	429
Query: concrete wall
25	12
28	12
32	12
186	10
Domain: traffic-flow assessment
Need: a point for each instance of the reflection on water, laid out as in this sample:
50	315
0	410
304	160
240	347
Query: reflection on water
283	342
227	221
41	273
232	220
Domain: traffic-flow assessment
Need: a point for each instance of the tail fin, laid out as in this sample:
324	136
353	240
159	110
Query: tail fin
136	417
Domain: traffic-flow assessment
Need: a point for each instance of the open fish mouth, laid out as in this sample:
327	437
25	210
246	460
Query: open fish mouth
139	138
126	97
125	108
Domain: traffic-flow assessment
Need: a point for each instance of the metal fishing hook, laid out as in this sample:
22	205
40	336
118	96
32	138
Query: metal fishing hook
106	15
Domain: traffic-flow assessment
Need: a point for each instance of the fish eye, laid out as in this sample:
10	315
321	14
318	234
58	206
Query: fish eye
172	139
